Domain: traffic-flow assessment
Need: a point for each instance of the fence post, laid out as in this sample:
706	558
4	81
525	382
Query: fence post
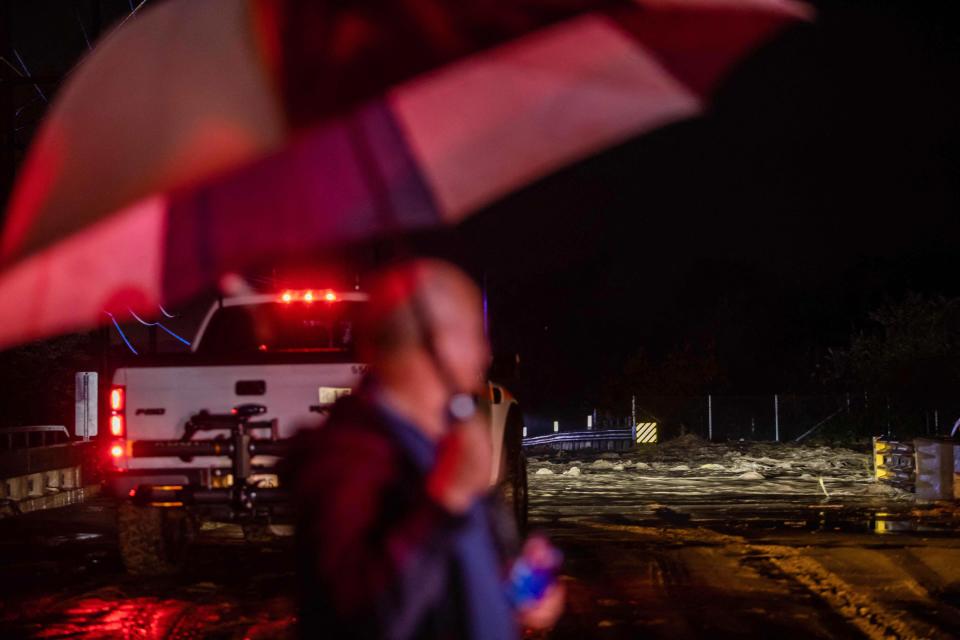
710	417
776	417
888	417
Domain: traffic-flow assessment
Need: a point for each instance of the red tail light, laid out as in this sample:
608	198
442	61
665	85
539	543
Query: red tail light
118	407
116	426
118	421
118	399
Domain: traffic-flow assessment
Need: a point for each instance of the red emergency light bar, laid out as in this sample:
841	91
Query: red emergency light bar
307	295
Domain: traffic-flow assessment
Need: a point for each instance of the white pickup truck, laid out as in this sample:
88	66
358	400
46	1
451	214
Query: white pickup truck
196	436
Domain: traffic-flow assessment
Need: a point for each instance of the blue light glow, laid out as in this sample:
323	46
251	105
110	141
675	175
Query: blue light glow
157	324
122	334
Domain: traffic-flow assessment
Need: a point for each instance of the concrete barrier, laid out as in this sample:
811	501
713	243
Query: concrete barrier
36	474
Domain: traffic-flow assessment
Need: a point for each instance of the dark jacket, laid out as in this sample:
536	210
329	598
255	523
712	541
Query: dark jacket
376	554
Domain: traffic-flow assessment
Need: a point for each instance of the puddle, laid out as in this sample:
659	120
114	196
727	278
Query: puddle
54	541
107	616
758	521
888	523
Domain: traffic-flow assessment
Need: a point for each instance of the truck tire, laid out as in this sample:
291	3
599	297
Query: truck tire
153	541
513	488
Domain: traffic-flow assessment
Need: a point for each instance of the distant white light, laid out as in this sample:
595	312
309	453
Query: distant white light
556	426
589	422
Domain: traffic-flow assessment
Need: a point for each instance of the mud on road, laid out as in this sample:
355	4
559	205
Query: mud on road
683	540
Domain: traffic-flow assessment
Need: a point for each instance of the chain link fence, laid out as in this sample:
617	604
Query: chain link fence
791	417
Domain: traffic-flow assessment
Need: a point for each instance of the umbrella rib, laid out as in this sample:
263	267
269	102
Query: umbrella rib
132	13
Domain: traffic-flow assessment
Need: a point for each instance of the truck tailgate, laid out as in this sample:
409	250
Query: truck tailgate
160	400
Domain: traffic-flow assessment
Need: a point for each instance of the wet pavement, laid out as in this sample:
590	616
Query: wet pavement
684	540
63	578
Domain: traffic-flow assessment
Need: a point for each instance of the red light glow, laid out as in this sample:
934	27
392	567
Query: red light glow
308	296
116	399
116	451
116	425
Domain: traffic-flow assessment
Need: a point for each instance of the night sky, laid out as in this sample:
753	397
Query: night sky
823	182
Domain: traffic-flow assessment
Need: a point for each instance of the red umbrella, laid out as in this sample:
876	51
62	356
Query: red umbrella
243	156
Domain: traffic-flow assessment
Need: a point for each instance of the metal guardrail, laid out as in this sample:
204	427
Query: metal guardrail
571	440
19	462
32	436
41	467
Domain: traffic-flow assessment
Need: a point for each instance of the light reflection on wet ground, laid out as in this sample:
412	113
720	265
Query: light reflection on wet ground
64	579
197	610
116	615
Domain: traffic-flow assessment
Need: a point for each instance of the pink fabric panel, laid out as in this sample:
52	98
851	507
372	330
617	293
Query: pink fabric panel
700	42
111	266
490	124
174	96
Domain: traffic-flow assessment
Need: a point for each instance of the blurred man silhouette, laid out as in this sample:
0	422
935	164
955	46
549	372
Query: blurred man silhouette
395	529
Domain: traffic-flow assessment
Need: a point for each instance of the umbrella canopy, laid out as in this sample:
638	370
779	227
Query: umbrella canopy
196	142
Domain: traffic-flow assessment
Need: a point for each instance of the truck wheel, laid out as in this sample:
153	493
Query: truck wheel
515	493
514	484
153	541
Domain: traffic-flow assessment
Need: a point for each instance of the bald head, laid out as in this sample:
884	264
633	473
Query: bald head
426	308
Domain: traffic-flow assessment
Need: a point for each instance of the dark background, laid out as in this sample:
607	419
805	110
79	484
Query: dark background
738	253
